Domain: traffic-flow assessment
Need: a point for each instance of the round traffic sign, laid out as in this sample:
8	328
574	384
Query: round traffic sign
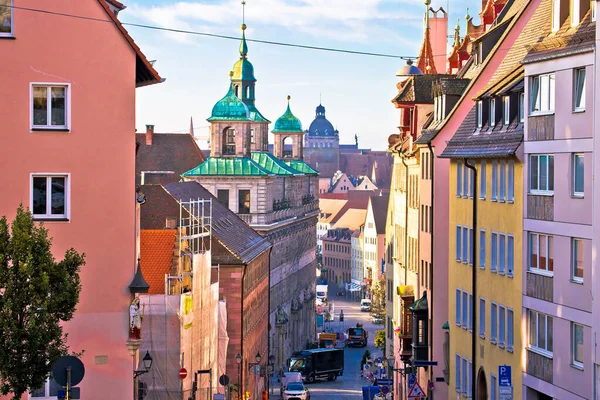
224	380
182	373
59	370
385	389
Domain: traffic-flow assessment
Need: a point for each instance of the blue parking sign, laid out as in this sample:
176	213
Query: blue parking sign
504	375
411	380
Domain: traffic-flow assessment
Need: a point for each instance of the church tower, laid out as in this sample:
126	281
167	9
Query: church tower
288	127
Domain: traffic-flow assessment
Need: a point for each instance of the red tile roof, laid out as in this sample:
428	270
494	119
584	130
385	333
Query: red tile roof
156	257
144	71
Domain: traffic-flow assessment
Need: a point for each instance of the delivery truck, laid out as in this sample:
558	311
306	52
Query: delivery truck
357	336
317	364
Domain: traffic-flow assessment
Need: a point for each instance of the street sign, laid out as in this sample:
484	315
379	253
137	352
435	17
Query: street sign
59	370
385	389
504	375
505	393
411	380
416	391
224	380
418	363
182	373
384	382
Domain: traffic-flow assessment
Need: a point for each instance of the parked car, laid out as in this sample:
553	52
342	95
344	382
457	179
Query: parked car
288	378
296	391
377	319
365	305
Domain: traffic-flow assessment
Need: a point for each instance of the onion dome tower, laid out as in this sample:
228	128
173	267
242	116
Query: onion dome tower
288	126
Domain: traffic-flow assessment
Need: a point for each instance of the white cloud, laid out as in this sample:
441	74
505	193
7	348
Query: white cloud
341	20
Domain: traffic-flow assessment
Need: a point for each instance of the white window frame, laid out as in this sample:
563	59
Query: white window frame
482	317
510	329
522	107
482	249
465	309
536	158
479	114
465	244
593	8
548	322
535	237
457	378
502	197
510	256
575	11
459	186
49	86
493	322
493	387
511	182
494	252
443	107
501	253
67	200
436	116
574	361
576	90
458	308
12	21
501	326
542	100
492	112
458	243
555	15
506	109
577	193
494	180
482	180
575	243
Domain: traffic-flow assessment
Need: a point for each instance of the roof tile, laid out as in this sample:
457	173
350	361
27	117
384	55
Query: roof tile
156	257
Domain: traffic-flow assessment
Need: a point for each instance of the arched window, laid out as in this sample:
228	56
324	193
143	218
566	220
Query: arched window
288	144
236	88
247	88
229	141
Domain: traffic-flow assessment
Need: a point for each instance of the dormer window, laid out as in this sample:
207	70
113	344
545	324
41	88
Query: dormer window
555	15
593	8
436	116
443	106
506	108
575	10
479	53
492	112
479	114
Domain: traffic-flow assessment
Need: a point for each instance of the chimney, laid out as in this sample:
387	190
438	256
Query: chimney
170	223
149	134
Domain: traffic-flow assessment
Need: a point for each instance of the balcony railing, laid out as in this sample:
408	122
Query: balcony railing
275	216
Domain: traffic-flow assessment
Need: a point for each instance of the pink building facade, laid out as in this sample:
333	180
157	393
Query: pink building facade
558	225
69	155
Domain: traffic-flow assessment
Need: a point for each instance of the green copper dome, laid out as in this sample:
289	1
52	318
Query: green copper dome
288	122
230	108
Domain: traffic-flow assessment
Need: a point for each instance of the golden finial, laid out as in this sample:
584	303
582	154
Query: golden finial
289	97
230	73
243	27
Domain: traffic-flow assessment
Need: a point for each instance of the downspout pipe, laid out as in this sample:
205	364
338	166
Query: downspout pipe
431	247
474	278
402	156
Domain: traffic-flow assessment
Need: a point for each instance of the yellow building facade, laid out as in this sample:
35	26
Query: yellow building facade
496	319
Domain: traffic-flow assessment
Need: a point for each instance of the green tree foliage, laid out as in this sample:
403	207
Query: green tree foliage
36	295
378	297
380	339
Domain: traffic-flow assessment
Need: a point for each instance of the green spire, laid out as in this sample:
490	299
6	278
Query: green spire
288	122
243	45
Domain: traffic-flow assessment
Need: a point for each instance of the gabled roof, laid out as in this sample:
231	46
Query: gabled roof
416	89
145	74
272	164
352	219
379	206
301	166
156	257
238	166
566	41
169	152
330	208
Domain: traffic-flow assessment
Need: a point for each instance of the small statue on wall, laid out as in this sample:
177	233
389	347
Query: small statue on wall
135	319
281	316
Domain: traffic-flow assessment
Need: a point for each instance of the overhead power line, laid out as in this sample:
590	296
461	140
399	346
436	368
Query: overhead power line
214	35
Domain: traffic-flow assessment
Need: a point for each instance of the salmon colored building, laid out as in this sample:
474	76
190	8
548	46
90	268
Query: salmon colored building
69	155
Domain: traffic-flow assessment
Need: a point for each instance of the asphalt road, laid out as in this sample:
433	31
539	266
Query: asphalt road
348	386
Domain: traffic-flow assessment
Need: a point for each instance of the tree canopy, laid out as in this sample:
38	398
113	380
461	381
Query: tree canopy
36	295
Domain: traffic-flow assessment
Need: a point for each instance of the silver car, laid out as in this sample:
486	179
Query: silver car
296	391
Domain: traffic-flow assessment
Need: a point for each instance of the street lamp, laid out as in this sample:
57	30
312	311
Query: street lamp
147	360
270	371
250	365
238	361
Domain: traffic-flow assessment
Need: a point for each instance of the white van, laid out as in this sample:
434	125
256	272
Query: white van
365	305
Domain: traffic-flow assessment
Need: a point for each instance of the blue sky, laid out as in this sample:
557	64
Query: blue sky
356	90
